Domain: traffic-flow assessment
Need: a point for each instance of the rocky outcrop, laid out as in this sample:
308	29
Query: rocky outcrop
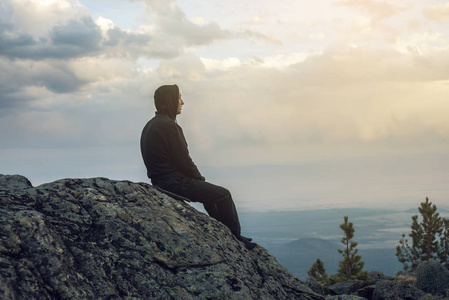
430	283
392	290
432	277
103	239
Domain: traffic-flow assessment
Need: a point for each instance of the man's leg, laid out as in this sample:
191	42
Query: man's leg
216	199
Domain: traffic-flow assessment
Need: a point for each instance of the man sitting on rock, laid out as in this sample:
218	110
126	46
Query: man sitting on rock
170	167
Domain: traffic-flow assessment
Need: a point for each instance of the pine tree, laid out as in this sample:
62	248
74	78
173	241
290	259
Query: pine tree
432	226
443	253
425	238
407	255
318	272
351	267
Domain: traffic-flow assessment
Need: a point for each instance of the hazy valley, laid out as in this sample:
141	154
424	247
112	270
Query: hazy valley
298	238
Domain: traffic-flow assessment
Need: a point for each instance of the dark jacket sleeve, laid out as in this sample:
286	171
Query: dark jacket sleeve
179	152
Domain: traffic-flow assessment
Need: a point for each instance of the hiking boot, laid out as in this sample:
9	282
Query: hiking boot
249	245
247	238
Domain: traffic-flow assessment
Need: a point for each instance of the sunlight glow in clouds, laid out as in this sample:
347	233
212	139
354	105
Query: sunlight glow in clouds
264	81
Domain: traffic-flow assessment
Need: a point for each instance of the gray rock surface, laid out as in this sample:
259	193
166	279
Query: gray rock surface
367	292
103	239
345	297
346	287
392	290
314	285
377	276
432	277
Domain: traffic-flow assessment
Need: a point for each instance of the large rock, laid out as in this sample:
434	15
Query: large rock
377	276
103	239
367	292
432	277
392	290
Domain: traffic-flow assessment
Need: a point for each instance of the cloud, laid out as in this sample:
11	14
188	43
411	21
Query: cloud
74	38
256	20
378	10
38	17
70	32
438	13
222	65
172	25
186	67
375	24
254	35
198	21
82	34
19	78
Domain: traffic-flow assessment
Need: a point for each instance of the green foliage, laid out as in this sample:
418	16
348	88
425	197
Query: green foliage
318	272
443	253
351	267
363	275
407	255
429	238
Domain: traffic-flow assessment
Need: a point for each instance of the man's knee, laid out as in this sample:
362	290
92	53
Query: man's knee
226	194
214	193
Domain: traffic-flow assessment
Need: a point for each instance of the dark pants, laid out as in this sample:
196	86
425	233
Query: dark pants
217	200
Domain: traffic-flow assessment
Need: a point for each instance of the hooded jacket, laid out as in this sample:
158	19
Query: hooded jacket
162	143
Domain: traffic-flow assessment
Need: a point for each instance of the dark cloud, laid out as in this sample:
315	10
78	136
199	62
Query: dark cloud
77	38
80	36
12	82
11	43
17	76
120	37
10	99
58	79
129	44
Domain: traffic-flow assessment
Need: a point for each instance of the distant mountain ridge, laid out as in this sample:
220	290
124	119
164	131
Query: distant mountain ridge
312	243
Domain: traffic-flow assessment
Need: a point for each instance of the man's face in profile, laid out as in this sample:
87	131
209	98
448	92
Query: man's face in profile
180	104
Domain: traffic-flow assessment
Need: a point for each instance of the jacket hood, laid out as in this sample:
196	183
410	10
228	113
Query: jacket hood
166	100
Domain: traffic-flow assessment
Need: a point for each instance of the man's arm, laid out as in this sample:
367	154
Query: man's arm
179	153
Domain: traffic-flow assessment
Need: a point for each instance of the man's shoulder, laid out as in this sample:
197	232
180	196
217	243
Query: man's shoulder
160	121
161	118
164	117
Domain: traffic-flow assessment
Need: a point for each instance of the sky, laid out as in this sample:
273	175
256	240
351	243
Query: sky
290	104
